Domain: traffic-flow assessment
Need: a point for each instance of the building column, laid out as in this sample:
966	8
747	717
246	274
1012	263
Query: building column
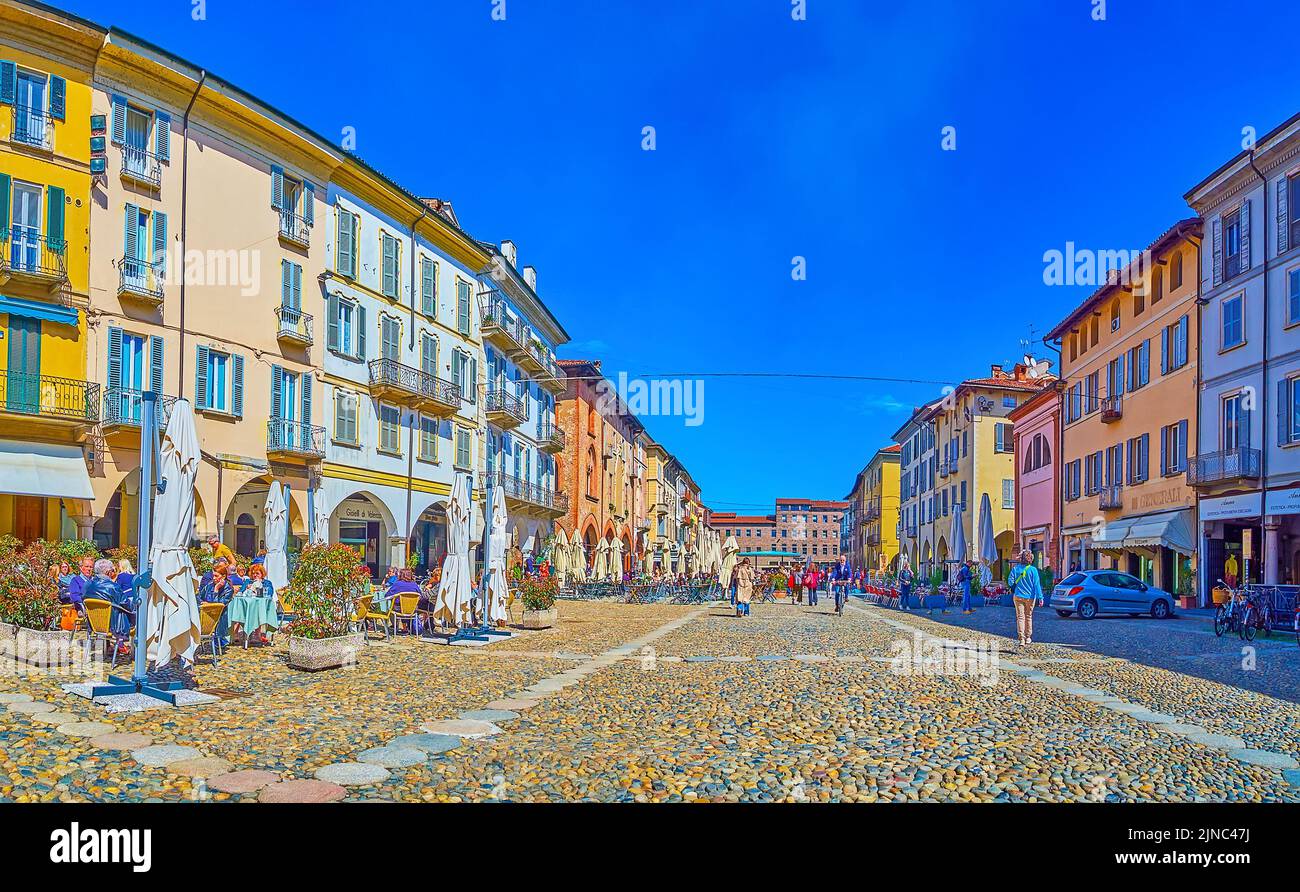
1272	557
85	525
396	552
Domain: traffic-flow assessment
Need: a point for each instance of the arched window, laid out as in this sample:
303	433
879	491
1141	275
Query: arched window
1157	285
1176	270
591	420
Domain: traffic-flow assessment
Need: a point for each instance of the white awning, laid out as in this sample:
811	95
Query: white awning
44	469
1170	529
1111	536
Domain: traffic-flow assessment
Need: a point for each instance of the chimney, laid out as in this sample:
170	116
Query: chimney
508	251
530	276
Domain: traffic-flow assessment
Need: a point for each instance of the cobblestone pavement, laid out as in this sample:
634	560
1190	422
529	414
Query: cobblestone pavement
660	703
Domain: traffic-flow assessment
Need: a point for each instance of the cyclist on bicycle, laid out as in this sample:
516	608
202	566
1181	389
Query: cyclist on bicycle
839	577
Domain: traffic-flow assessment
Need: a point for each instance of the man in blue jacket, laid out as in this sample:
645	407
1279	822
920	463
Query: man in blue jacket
1026	594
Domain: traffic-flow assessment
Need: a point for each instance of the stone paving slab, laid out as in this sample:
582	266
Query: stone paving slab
489	715
121	741
31	706
302	791
512	703
392	756
352	774
203	766
249	780
55	718
15	697
162	755
86	729
467	728
429	743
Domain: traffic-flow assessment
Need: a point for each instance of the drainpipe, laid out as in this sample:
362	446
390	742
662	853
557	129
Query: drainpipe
1057	498
185	169
1203	582
410	446
1263	397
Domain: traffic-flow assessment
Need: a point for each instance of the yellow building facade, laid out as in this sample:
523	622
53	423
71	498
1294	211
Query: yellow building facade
878	511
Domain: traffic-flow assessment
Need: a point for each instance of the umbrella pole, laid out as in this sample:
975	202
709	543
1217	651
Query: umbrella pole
485	628
139	682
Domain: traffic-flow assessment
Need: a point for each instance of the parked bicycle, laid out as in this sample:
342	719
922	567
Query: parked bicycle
1228	617
1258	616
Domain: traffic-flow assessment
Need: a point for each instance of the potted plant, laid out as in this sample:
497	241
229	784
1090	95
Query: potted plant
30	608
538	596
1187	592
324	591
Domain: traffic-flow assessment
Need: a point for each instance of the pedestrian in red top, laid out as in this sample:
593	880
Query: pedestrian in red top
810	580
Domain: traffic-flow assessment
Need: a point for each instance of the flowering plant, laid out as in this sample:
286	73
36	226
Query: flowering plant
538	594
29	594
324	590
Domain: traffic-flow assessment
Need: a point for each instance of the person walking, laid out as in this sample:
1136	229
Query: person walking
1026	594
796	585
744	576
810	579
905	579
963	579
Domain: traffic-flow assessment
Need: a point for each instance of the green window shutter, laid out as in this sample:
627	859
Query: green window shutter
426	286
237	386
286	286
201	378
156	363
473	380
129	238
114	357
4	205
54	211
163	136
361	333
277	187
297	287
8	81
119	120
390	266
160	242
309	203
346	244
277	392
332	323
58	98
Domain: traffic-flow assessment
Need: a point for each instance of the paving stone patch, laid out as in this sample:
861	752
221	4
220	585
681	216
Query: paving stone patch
86	729
393	756
164	754
249	780
302	791
352	774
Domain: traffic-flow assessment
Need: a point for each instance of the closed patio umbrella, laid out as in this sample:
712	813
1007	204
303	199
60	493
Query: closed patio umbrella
958	535
322	536
577	560
681	560
456	587
600	569
172	616
560	556
986	548
276	515
730	549
616	559
496	587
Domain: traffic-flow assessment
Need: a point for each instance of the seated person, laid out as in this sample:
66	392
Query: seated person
77	586
104	586
217	588
258	586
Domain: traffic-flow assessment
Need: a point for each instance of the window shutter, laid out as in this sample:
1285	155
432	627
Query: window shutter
156	363
1182	446
119	120
129	239
297	286
1164	450
8	81
346	244
390	265
309	203
361	333
114	357
1244	218
1283	230
1180	353
4	206
160	241
163	136
1146	361
277	187
1119	463
306	399
286	283
332	323
1164	350
1216	251
237	385
58	98
54	211
426	286
1284	432
277	392
201	378
473	380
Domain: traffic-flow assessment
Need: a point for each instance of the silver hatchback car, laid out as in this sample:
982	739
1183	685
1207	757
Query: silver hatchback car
1092	592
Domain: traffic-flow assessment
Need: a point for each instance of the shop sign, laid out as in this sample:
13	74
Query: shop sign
1282	501
1226	507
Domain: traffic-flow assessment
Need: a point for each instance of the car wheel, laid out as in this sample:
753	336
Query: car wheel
1160	610
1065	613
1087	608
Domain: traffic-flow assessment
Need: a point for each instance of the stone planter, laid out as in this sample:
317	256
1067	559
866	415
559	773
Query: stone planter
313	654
539	619
1187	602
8	632
46	650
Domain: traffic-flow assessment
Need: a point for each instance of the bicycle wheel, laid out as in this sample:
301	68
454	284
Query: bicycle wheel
1221	620
1248	622
1266	620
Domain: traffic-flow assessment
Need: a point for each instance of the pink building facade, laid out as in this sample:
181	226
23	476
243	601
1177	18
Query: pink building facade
1037	437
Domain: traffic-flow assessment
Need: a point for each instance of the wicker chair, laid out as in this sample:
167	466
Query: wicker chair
210	613
405	611
98	616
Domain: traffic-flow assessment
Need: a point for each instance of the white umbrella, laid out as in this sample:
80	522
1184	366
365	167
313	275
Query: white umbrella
578	560
276	515
322	519
649	561
172	617
730	549
986	549
681	560
600	569
559	556
616	559
455	589
958	535
496	588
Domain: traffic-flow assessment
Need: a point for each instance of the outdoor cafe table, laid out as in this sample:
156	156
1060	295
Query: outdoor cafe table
253	612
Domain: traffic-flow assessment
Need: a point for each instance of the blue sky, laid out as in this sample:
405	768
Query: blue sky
775	139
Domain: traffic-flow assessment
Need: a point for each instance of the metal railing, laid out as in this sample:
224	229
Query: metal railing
295	228
522	491
49	396
294	324
1283	599
124	407
25	252
32	127
140	277
1112	408
498	399
551	436
297	437
1111	496
416	382
1226	464
141	165
871	510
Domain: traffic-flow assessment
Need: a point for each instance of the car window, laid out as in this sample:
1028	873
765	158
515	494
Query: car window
1108	579
1073	579
1126	581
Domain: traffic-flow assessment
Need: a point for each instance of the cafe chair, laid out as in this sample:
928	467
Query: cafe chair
209	615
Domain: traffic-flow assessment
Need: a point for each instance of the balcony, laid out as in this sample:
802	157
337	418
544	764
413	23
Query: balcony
504	409
391	380
142	167
27	256
295	326
499	328
872	539
1109	497
124	408
911	531
871	511
32	128
140	279
1224	466
552	438
295	229
1112	409
64	399
520	493
294	440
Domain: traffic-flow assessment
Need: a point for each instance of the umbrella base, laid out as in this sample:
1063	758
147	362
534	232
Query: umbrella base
159	691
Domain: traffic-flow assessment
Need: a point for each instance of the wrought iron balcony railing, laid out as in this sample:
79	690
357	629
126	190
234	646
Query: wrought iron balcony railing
32	127
871	510
551	437
1111	496
24	252
911	531
142	166
394	377
500	401
1112	408
124	407
295	325
140	278
295	438
48	396
1222	466
295	228
521	490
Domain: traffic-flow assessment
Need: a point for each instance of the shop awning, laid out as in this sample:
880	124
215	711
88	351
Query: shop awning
1111	536
44	469
1169	529
34	309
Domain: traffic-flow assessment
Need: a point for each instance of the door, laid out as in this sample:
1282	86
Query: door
29	517
29	110
23	393
25	239
1110	592
135	151
132	377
